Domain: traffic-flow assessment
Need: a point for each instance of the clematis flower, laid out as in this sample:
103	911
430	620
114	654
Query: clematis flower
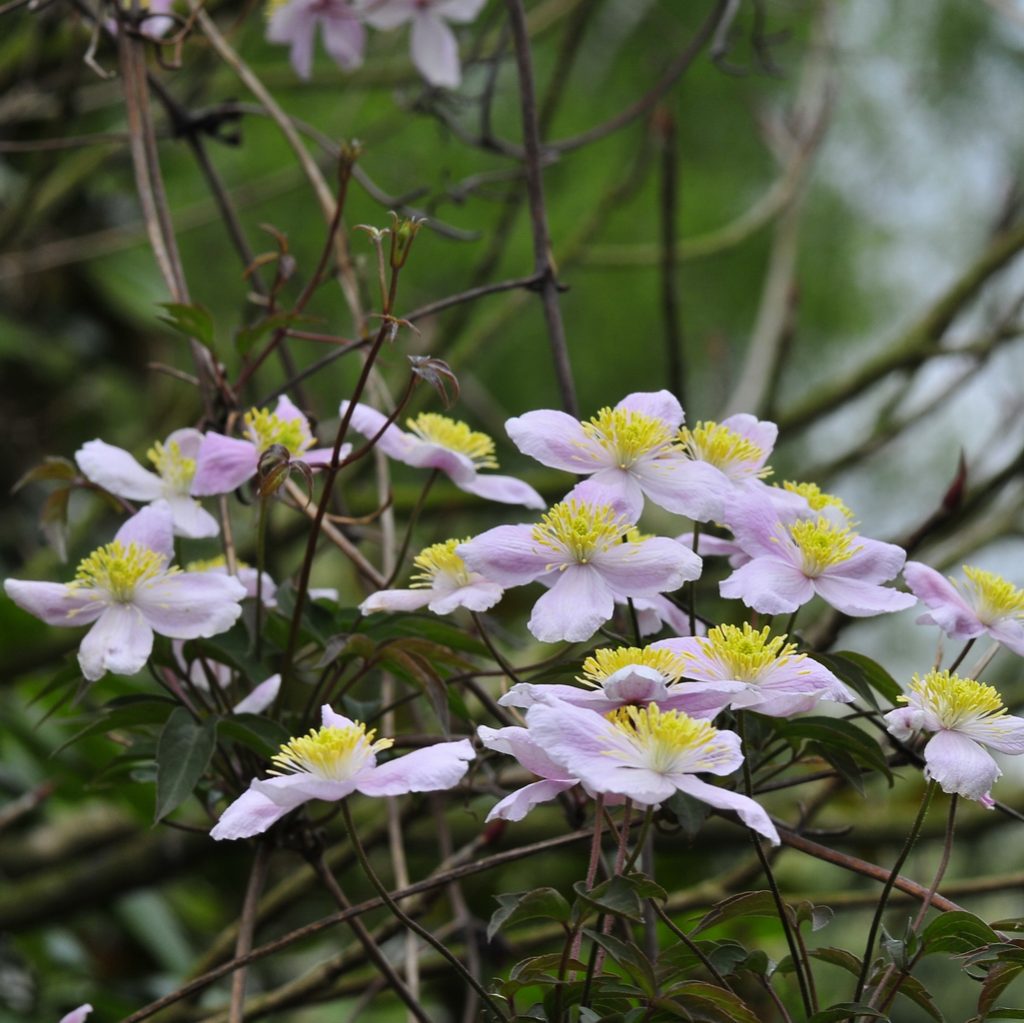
966	716
646	755
808	501
294	22
442	584
772	677
982	603
586	544
554	779
174	459
435	50
618	677
791	562
437	442
77	1015
126	591
332	762
225	463
248	576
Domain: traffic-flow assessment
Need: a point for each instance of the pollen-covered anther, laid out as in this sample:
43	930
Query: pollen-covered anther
211	564
627	434
580	529
955	700
669	740
119	569
440	559
818	499
330	753
723	448
822	544
455	436
992	596
171	464
266	428
605	662
747	652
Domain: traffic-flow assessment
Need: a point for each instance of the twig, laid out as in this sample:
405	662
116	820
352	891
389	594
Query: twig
246	925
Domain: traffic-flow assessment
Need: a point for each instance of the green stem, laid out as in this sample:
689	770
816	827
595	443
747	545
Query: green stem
963	653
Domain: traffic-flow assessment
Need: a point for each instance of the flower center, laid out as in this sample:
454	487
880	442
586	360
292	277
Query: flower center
735	455
212	564
818	499
440	559
956	700
746	652
822	544
455	436
331	753
604	663
119	569
992	596
667	741
579	529
266	428
627	435
172	465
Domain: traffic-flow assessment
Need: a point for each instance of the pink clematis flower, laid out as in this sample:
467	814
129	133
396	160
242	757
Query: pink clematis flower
442	584
225	463
435	50
585	548
174	459
631	675
983	603
126	591
771	677
966	716
646	755
791	562
294	22
437	442
332	762
77	1015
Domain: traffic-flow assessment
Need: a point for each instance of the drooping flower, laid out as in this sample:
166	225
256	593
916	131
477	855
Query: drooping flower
791	562
435	50
586	544
174	459
294	22
646	755
616	677
982	603
127	591
442	584
966	716
772	677
77	1015
332	762
437	442
225	463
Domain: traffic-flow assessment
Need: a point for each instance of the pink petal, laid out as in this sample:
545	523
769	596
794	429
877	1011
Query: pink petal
190	519
860	599
960	765
152	527
875	562
458	10
395	443
663	405
117	471
424	770
295	24
292	789
188	440
477	596
516	805
330	718
189	605
636	683
120	641
344	38
77	1015
223	464
507	555
769	586
755	524
388	14
574	608
657	565
250	814
518	742
1009	632
396	600
751	813
614	487
56	603
680	485
557	440
761	432
435	50
948	609
506	489
1005	733
260	698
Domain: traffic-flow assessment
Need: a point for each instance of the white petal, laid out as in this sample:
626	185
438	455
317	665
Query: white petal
435	51
190	604
117	471
57	603
120	641
190	519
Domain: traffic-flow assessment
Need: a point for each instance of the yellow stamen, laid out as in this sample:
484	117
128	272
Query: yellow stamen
580	529
266	428
455	436
606	661
746	652
817	499
209	564
822	544
665	737
628	434
725	449
956	700
172	465
991	595
437	559
331	753
119	568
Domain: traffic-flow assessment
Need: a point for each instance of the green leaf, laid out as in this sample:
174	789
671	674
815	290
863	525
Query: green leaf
247	337
913	990
182	755
760	903
690	813
698	995
957	931
629	956
836	734
620	895
254	732
53	521
541	903
845	1011
862	675
52	467
818	916
1005	1012
998	979
190	320
837	957
126	713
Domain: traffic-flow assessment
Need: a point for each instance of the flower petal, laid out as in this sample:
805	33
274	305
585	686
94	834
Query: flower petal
476	596
750	812
344	38
250	814
861	599
684	487
960	765
507	555
1005	733
388	14
506	489
768	585
152	527
874	562
190	519
395	443
189	605
223	464
120	641
947	607
295	24
653	566
56	603
396	600
516	805
458	10
1009	632
435	50
518	742
77	1015
663	405
424	770
574	608
117	471
557	440
260	698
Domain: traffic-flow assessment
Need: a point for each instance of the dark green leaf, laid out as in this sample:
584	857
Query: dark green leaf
835	733
247	337
190	320
845	1011
957	931
690	813
998	979
629	956
837	957
254	732
541	903
1005	1012
182	754
619	895
862	675
913	990
126	713
699	996
758	903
